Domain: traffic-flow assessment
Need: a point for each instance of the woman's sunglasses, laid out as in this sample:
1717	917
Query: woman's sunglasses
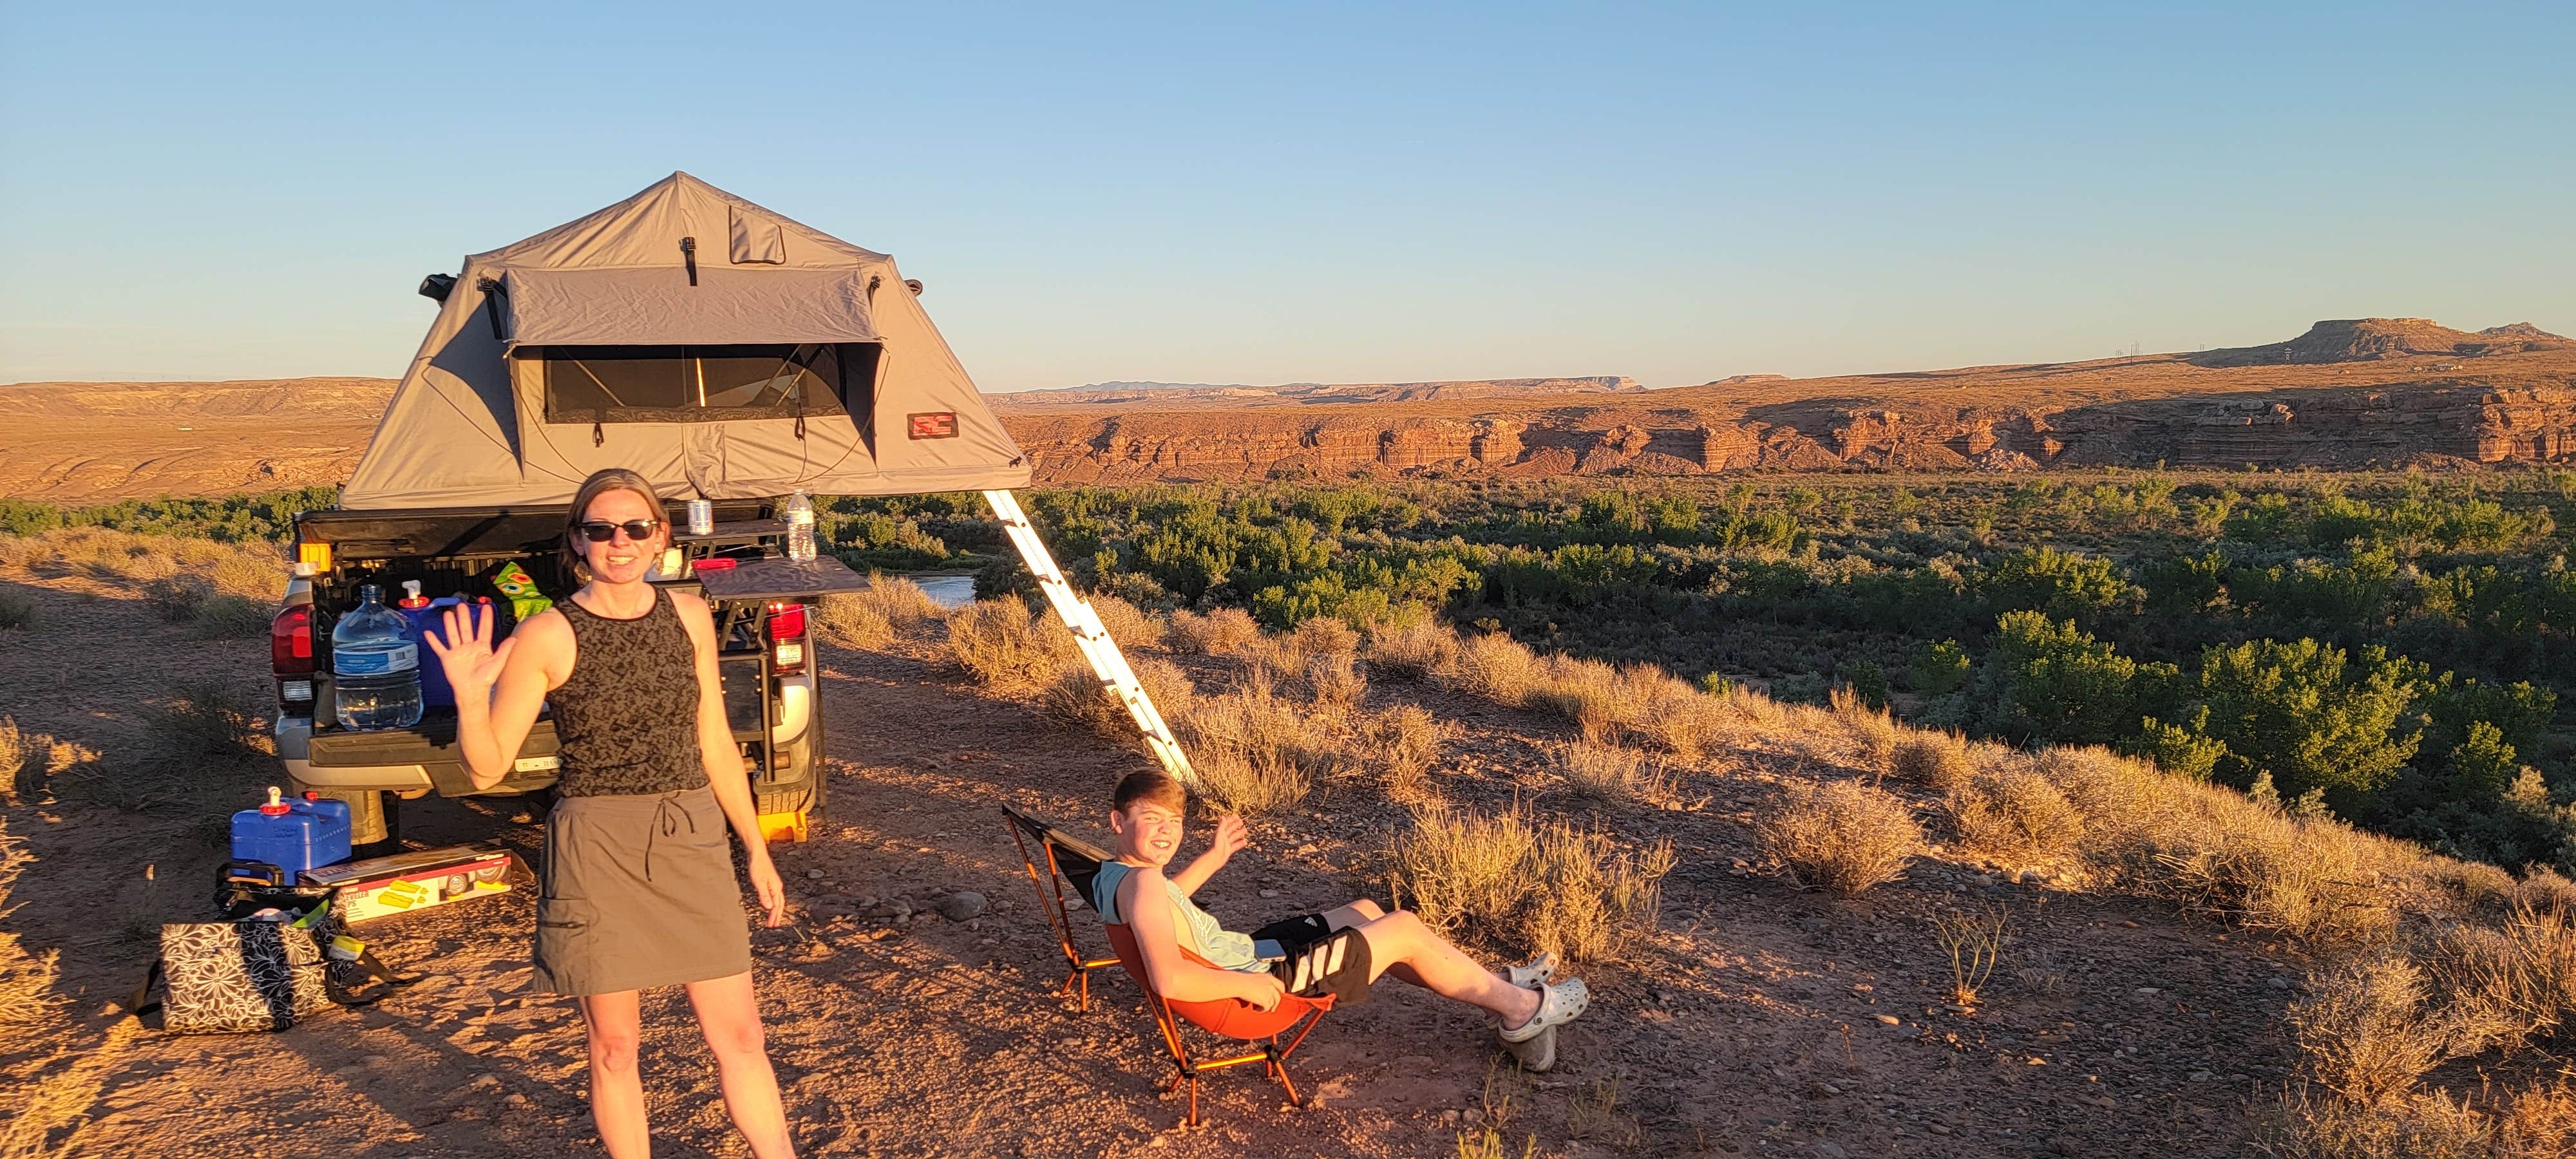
637	530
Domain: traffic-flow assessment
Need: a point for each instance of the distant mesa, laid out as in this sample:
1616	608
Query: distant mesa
1203	394
2372	339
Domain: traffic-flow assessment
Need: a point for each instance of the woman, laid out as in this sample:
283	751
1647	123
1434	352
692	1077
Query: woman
639	888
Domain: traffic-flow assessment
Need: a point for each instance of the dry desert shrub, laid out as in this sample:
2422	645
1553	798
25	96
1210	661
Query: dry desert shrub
1335	681
1327	636
2216	851
1268	731
1405	741
1530	885
2505	985
1874	733
2362	1031
1840	835
1615	774
850	621
2539	1123
1078	696
209	720
1128	624
1496	667
1250	782
1938	761
16	611
1416	651
1223	632
1005	646
2543	887
2015	817
902	602
1585	692
1683	720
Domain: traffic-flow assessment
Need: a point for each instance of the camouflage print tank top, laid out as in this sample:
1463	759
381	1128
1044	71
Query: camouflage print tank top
627	717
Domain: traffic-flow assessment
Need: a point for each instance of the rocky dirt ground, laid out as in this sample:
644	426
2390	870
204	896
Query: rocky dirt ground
1759	1020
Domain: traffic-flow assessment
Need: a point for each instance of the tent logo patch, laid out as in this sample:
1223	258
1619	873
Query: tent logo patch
939	424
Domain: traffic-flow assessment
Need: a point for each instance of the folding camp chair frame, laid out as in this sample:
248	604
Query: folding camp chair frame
1050	886
1273	1053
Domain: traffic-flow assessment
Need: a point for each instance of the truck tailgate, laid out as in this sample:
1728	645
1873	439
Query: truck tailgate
431	744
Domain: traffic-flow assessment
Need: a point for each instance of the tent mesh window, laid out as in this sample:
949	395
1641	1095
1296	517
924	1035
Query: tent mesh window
691	384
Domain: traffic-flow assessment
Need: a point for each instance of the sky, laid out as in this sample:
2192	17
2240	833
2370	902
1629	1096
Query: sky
1317	192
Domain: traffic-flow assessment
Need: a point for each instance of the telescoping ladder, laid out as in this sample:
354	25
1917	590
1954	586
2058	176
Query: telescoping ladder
1106	661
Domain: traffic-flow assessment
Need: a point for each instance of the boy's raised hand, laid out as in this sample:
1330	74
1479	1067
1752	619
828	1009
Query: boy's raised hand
1231	836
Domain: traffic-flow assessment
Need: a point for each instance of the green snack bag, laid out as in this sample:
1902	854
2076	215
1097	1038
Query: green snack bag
516	587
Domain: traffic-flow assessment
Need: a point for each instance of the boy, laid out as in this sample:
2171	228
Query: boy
1339	951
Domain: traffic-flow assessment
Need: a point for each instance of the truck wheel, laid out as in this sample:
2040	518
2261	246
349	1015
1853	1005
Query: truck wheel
807	755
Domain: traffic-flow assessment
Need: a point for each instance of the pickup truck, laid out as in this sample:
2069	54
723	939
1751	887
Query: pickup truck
763	657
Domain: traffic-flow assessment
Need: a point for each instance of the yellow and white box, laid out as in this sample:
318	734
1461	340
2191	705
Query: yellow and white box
406	882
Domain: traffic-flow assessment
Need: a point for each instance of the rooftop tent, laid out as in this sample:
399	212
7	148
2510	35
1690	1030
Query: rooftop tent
718	348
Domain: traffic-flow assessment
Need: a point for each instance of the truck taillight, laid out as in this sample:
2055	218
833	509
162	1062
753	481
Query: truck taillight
787	637
290	652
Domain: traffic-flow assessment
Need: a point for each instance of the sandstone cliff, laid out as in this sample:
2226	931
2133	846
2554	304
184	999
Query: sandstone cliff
2372	392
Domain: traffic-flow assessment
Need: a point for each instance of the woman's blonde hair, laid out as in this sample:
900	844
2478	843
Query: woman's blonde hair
600	483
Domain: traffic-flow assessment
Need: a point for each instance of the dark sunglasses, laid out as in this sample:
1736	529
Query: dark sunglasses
637	530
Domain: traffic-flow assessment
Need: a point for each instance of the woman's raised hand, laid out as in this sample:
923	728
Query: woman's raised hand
473	665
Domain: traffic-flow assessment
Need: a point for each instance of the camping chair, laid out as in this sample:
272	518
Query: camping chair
1070	859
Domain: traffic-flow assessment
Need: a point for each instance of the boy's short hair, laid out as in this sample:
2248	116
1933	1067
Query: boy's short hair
1151	789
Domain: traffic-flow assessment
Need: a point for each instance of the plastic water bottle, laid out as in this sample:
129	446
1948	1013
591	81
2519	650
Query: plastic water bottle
799	513
375	666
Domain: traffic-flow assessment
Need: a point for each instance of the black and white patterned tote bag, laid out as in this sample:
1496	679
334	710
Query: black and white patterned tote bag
237	977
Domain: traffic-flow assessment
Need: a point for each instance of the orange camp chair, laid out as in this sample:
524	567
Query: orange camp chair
1071	859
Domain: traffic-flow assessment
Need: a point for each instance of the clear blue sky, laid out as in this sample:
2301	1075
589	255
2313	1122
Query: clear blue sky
1313	193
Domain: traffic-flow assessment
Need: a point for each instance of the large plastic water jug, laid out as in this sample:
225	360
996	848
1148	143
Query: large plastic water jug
293	835
375	666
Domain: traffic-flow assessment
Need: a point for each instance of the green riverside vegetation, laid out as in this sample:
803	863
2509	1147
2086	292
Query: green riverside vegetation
2390	648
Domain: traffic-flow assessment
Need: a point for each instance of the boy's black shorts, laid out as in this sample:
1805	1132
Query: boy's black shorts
1319	959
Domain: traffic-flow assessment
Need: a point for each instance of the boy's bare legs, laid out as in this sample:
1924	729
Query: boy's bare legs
615	1023
1401	945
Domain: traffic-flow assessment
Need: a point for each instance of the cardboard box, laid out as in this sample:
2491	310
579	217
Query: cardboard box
406	882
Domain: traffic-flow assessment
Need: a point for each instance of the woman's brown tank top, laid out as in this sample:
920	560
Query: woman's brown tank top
626	719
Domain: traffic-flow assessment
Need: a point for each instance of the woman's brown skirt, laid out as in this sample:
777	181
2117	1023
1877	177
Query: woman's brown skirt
639	891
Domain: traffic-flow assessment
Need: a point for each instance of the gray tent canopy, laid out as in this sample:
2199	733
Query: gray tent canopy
716	347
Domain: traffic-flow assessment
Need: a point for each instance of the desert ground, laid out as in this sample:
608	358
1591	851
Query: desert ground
1756	1018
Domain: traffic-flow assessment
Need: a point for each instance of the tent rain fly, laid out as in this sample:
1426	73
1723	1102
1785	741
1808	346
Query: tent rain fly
720	349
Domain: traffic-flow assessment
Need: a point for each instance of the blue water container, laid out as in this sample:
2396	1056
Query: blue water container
293	835
428	621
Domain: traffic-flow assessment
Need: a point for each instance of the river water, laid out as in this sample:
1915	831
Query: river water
949	590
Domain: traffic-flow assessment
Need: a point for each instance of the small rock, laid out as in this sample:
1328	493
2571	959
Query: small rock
1269	893
1862	987
515	1099
1824	1090
962	906
1890	1019
1448	1118
2279	983
1831	1150
375	1062
882	911
1812	925
485	1082
2149	991
813	875
1939	1129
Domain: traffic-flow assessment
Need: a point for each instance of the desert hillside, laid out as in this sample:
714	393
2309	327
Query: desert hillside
2372	392
2348	394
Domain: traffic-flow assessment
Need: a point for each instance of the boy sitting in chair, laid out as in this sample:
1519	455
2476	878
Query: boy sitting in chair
1339	951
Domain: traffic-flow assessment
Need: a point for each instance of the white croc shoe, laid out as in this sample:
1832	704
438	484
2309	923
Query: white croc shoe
1558	1004
1538	971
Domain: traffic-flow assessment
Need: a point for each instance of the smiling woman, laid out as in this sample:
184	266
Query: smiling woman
637	881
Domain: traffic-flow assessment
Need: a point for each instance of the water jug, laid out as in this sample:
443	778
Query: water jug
798	511
375	666
430	617
293	835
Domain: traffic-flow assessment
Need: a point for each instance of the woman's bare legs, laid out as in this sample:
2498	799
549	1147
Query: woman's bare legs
730	1018
616	1079
1401	945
